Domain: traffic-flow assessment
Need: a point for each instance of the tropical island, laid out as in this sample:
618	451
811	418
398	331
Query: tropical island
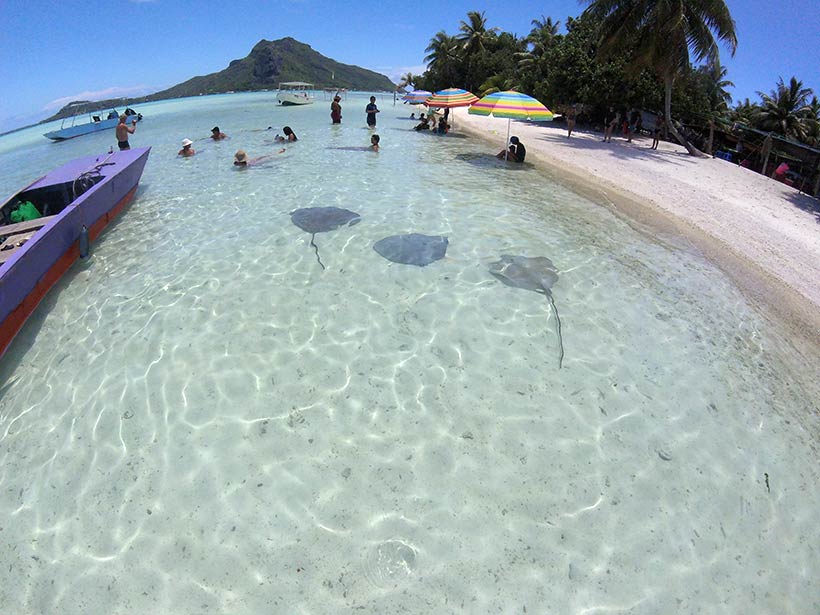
267	64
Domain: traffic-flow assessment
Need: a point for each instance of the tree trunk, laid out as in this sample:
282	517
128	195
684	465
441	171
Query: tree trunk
667	82
711	137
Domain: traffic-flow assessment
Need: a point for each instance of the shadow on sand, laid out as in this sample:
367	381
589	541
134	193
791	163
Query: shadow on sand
806	203
484	160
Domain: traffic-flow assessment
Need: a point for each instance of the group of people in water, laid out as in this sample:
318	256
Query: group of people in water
516	152
241	158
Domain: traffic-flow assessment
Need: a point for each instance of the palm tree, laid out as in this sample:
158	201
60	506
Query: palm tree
745	112
718	98
813	123
442	56
474	32
541	37
785	110
543	29
663	34
408	79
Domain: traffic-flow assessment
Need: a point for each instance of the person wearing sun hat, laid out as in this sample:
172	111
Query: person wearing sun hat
240	158
187	151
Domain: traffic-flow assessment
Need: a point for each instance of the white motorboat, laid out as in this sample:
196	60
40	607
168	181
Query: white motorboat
295	93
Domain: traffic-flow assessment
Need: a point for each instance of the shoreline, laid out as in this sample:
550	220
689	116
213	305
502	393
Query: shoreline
774	259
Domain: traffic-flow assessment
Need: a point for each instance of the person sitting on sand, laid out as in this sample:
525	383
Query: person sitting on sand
187	151
289	135
424	124
374	143
217	135
516	153
240	159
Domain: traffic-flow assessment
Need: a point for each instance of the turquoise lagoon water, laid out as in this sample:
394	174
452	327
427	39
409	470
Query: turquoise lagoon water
199	419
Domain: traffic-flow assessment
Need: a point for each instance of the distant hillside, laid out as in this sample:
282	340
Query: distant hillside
268	64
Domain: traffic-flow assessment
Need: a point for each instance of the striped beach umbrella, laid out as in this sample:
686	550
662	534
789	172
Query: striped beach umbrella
416	97
451	97
513	106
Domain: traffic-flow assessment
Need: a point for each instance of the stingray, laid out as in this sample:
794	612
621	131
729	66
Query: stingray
412	249
537	274
321	220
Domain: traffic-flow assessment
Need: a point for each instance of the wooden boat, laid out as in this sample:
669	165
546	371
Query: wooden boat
77	201
95	123
294	93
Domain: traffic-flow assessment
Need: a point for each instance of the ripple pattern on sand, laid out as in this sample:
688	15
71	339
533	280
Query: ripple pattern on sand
200	419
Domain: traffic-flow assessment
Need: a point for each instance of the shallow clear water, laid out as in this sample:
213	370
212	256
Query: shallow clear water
201	419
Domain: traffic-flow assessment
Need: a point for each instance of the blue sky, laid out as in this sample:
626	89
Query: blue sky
55	51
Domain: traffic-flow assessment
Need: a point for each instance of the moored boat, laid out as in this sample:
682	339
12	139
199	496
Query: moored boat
95	123
75	203
295	93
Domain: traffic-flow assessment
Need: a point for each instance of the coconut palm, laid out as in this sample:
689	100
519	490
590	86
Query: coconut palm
745	112
786	109
812	122
443	56
407	80
718	98
664	35
474	32
543	31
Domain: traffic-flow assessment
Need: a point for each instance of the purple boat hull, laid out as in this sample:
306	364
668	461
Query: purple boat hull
107	182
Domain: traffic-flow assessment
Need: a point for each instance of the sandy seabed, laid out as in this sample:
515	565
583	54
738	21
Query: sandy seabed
762	233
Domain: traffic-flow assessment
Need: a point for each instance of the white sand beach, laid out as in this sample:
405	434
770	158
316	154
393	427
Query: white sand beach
764	234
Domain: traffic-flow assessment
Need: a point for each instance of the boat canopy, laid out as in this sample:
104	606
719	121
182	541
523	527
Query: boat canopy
294	84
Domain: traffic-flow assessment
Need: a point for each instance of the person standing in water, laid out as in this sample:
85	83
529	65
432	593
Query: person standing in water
371	111
123	130
336	110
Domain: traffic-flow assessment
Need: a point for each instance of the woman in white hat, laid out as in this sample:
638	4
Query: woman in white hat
187	151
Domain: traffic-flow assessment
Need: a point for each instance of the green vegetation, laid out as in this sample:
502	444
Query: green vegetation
653	55
268	64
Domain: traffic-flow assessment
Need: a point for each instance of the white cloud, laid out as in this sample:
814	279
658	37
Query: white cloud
395	72
112	92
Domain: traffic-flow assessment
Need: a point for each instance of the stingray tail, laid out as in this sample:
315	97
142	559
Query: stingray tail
558	329
315	247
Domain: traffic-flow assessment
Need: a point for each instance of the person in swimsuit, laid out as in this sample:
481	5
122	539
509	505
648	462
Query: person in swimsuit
374	143
240	159
336	110
123	130
371	111
516	153
571	116
217	135
289	135
187	151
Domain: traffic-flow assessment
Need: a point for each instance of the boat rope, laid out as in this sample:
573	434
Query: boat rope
84	179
